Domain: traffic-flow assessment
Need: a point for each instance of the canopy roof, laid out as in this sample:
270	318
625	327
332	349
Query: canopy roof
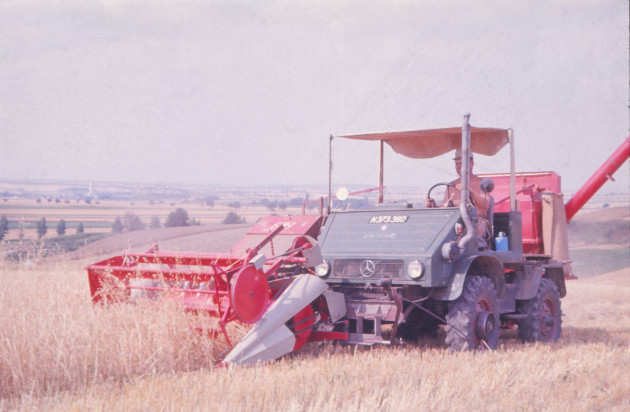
423	144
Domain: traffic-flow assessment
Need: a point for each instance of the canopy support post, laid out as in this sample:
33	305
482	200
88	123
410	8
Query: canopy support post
380	174
513	205
330	172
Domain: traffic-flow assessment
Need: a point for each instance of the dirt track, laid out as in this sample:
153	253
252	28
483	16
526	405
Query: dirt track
212	238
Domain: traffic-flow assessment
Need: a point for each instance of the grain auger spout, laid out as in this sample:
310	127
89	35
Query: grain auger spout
597	180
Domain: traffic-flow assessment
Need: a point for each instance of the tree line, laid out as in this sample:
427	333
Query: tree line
130	222
41	226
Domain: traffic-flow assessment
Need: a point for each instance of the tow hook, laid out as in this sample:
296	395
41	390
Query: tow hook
386	284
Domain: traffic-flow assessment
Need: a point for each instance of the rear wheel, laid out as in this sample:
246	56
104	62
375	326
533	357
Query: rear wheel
544	315
473	318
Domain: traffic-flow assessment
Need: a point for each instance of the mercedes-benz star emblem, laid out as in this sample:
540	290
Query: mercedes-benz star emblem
368	268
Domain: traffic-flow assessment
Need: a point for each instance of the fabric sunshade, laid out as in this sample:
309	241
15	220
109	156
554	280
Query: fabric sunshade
424	144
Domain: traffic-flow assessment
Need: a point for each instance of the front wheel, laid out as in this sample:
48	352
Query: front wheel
473	318
544	316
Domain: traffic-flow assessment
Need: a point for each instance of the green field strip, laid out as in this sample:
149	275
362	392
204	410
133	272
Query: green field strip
592	262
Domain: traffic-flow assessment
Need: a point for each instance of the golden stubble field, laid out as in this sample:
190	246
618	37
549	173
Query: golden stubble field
59	352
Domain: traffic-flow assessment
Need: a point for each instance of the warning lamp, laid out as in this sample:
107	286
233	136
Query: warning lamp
459	228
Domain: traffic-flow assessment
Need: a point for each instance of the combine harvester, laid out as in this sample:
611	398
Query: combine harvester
343	275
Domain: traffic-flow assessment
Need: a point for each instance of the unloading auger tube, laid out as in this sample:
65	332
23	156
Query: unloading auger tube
597	180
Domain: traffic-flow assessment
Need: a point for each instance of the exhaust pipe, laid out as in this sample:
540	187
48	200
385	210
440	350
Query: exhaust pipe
471	230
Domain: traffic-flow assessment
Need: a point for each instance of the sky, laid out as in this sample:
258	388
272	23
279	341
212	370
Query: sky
247	92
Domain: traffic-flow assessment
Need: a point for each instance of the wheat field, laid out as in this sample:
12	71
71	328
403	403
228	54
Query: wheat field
59	352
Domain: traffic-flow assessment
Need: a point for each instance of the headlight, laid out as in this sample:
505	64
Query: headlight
323	269
415	269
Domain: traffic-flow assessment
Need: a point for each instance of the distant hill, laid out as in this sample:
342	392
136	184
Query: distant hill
600	227
210	238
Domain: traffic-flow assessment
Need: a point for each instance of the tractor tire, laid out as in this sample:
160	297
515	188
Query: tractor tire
544	315
473	318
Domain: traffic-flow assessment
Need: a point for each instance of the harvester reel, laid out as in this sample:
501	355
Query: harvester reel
450	203
249	294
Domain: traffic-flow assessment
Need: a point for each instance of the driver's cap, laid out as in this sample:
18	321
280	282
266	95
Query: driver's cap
458	154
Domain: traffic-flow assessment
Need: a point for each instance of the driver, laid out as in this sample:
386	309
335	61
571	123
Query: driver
452	196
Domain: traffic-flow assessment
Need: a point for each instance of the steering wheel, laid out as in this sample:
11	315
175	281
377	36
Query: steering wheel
430	199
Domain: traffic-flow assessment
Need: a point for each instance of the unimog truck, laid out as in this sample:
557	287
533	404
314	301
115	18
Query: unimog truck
387	274
417	268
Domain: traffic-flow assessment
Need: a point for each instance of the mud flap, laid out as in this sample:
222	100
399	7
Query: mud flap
270	338
487	265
